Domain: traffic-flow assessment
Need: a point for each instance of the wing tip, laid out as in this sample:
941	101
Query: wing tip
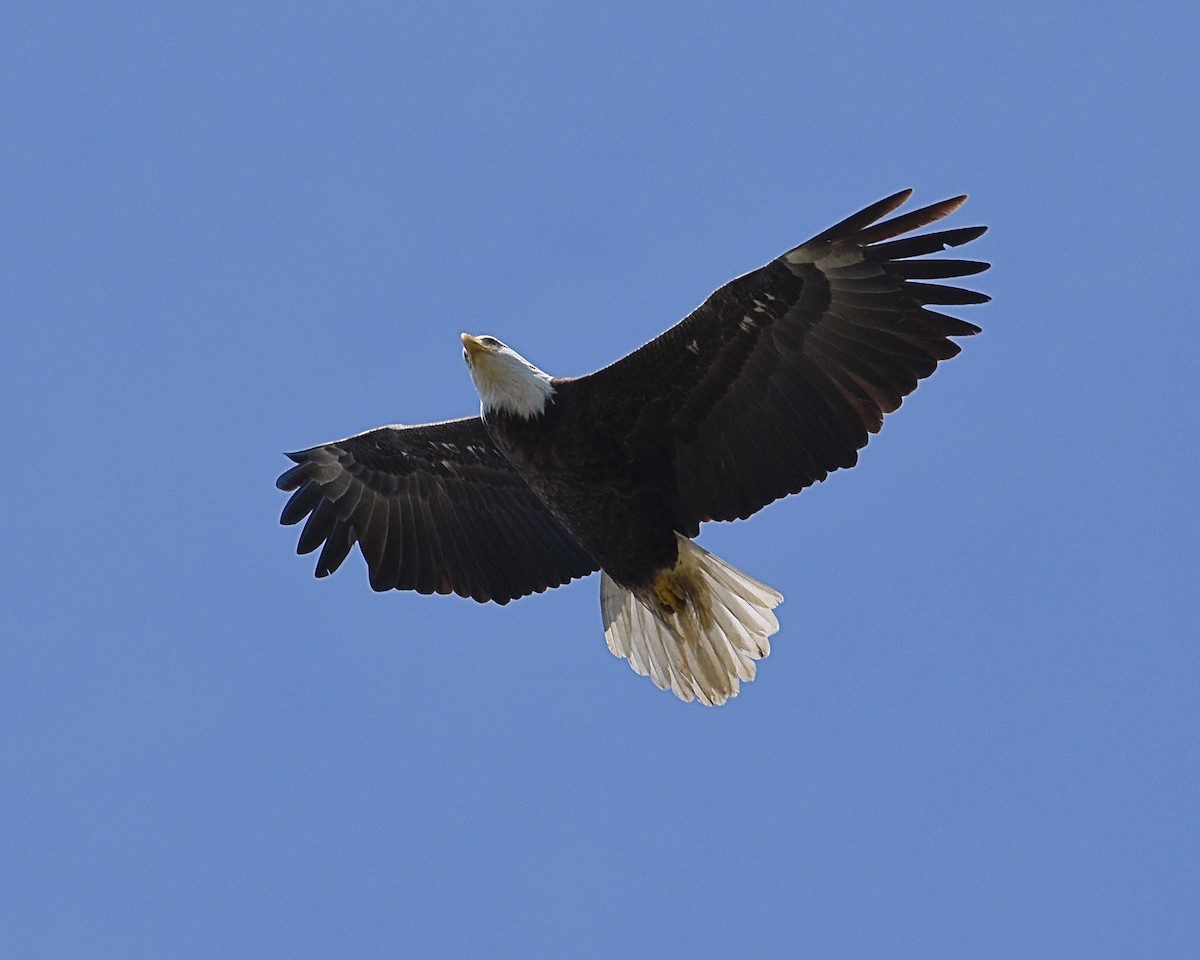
868	225
292	477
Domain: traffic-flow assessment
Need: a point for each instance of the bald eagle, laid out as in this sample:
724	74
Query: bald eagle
773	382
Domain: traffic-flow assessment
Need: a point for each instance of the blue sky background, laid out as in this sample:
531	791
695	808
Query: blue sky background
231	230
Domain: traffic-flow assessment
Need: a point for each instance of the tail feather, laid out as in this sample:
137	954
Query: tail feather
706	645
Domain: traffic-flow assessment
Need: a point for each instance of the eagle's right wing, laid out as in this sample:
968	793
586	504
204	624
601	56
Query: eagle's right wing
434	508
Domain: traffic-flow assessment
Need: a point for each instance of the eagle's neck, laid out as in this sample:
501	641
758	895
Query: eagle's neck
508	383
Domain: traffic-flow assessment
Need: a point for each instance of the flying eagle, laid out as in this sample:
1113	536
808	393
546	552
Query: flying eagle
773	382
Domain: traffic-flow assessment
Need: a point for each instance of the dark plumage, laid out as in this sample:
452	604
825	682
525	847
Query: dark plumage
435	508
776	380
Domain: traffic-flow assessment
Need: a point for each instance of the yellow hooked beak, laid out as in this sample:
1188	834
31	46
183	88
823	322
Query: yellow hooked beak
472	347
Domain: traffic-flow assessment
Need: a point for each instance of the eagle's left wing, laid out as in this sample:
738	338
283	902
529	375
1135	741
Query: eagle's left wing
781	375
434	508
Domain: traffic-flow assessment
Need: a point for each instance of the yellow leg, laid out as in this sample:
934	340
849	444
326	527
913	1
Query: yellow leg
670	592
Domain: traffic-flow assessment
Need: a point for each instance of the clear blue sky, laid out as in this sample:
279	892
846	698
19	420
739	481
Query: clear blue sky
233	229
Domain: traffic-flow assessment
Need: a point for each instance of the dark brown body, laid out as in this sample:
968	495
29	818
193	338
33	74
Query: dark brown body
604	474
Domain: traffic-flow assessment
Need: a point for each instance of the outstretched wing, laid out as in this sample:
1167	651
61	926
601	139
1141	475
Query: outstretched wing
780	376
434	508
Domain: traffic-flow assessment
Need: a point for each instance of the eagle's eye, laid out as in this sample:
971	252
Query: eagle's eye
466	357
489	341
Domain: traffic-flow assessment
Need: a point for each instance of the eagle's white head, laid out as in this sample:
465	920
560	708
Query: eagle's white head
506	381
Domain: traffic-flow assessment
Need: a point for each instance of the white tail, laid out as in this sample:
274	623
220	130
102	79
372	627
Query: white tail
703	642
